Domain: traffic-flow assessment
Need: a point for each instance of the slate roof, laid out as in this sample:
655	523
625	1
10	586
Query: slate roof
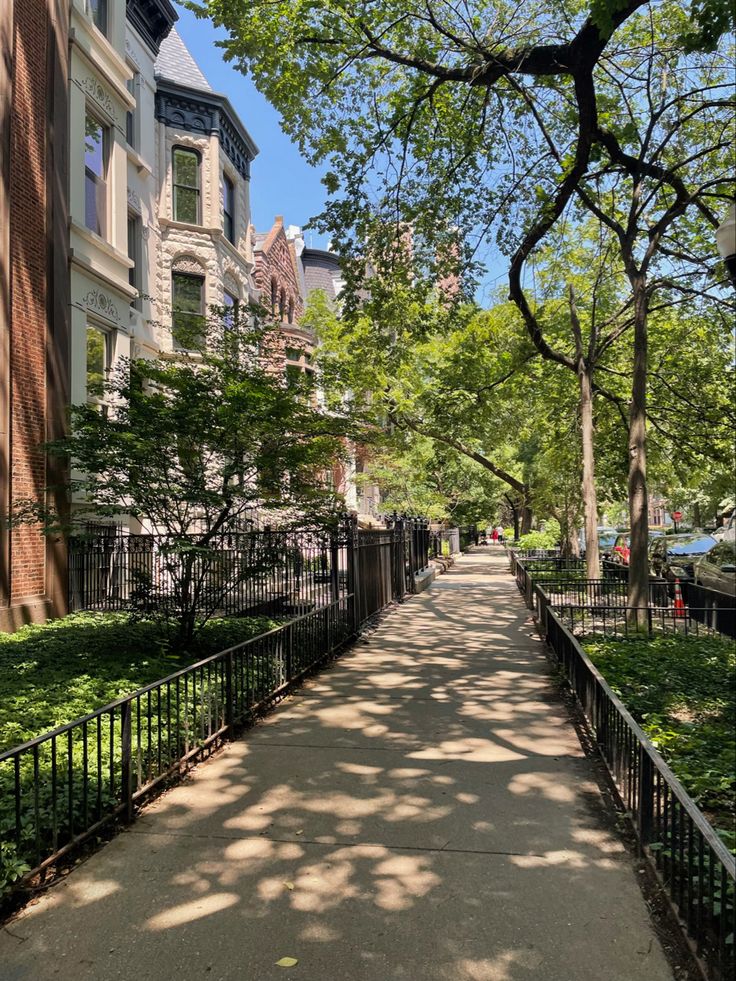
176	64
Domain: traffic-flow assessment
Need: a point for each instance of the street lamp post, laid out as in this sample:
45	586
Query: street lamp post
726	241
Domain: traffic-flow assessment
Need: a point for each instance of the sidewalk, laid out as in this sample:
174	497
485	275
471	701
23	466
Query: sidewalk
422	811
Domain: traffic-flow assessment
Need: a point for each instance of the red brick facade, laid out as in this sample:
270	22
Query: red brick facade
29	361
278	283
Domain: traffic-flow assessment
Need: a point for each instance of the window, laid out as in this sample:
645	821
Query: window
134	253
98	363
187	321
231	306
131	120
273	297
282	306
228	208
291	310
186	185
97	10
96	151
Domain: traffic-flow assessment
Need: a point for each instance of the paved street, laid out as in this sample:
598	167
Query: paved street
421	811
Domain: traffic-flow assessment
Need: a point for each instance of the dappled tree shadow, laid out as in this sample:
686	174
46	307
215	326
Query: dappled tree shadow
423	810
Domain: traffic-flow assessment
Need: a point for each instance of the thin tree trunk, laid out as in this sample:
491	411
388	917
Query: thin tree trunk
526	519
590	498
638	595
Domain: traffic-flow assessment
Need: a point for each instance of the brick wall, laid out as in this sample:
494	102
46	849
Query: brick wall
28	276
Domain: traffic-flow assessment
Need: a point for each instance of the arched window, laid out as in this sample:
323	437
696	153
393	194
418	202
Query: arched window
282	305
273	297
291	310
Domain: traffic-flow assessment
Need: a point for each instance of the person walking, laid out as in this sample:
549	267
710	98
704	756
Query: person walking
499	534
494	535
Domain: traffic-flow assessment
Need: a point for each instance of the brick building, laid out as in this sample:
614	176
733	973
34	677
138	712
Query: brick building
34	305
279	280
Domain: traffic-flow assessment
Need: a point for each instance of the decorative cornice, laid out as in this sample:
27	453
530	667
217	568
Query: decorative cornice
206	112
97	91
102	304
153	19
188	264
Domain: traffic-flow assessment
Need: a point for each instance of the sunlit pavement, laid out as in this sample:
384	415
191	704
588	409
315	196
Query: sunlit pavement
421	811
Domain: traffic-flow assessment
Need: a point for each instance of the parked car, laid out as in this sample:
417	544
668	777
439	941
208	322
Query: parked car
673	557
606	538
621	549
717	568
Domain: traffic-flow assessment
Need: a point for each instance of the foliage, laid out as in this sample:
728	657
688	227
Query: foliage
682	691
549	538
189	446
59	671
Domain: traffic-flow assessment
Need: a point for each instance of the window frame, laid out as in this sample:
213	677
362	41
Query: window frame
103	23
135	273
175	185
100	182
132	134
228	216
186	313
98	399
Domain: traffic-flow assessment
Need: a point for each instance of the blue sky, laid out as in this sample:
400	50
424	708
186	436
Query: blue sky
282	182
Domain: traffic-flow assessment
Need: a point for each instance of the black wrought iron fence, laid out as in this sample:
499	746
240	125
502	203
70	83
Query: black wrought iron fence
625	621
68	784
258	572
444	542
593	594
379	569
717	610
694	866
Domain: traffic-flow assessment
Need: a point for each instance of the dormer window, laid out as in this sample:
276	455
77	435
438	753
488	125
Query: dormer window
228	208
186	166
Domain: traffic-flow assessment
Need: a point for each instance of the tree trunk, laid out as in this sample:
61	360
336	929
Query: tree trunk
590	498
514	516
697	516
526	519
638	595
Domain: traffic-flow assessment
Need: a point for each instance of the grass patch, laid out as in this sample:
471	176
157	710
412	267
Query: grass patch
682	691
56	672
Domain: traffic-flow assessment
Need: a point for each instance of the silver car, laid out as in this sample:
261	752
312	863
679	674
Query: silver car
717	569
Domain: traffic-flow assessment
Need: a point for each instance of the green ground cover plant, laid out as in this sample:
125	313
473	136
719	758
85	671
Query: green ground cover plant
56	672
682	691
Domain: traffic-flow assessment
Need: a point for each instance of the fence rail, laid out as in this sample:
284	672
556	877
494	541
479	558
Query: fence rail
68	784
695	868
258	572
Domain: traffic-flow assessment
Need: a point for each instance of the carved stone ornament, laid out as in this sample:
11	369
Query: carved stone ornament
102	304
188	264
97	91
134	201
131	56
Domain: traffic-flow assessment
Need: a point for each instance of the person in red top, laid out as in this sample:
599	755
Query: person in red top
494	535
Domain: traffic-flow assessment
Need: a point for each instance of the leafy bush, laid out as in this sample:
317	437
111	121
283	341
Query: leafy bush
549	538
57	672
681	691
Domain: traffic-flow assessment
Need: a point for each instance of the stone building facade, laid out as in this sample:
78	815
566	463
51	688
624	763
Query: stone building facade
34	311
201	245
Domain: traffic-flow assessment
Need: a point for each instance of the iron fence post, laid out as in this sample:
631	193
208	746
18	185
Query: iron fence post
126	771
229	706
646	796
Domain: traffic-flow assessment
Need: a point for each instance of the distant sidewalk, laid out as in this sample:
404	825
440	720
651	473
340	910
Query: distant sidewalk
422	811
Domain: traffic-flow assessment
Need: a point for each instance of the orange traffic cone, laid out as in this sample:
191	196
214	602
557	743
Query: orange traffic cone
679	606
